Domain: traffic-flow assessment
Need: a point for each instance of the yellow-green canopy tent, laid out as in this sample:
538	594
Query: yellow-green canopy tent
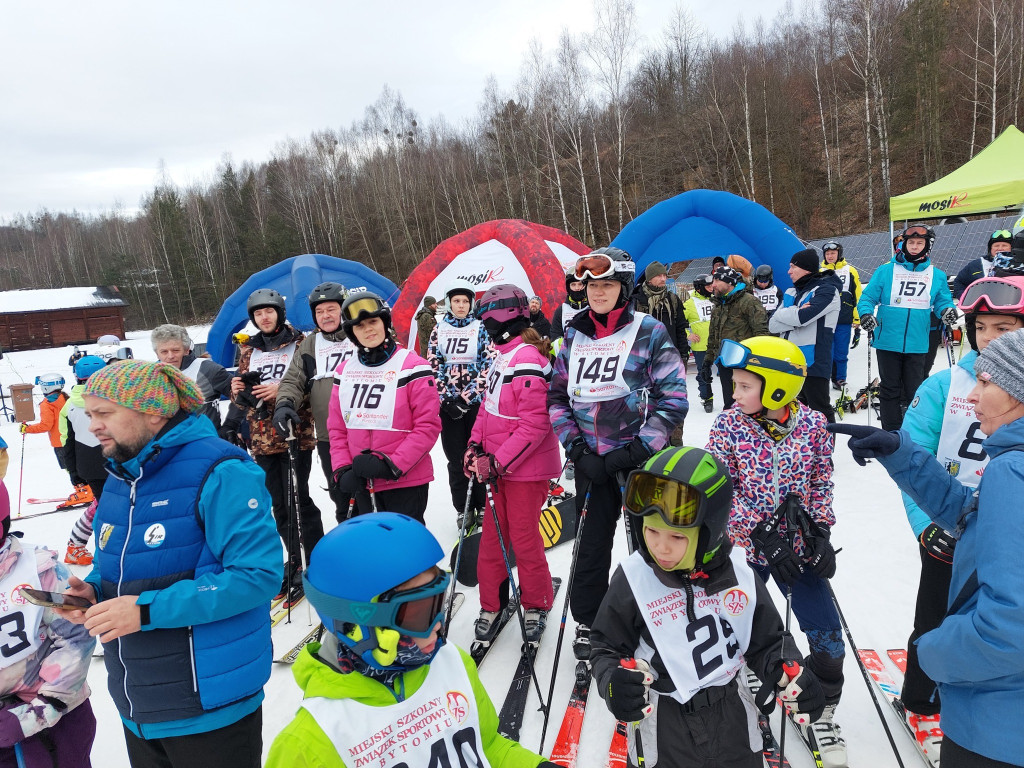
991	182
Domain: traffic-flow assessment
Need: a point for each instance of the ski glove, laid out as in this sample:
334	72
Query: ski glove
589	464
454	408
950	316
800	692
868	322
705	368
486	467
627	457
821	554
856	339
229	432
629	692
346	481
469	458
867	442
286	419
374	465
938	543
782	560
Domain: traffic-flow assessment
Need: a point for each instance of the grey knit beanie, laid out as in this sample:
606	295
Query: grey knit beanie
654	269
1002	363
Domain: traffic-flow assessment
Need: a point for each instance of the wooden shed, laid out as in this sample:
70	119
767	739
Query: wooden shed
54	317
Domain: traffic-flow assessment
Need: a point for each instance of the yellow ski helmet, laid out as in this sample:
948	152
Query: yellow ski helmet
779	363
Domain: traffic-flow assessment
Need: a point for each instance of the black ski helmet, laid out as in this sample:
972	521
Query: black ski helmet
832	245
575	297
702	490
922	232
360	306
764	272
999	236
266	297
326	292
702	285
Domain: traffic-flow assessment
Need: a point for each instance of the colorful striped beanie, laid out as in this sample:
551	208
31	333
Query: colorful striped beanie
159	389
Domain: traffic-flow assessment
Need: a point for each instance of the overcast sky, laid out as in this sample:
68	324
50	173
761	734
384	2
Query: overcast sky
95	95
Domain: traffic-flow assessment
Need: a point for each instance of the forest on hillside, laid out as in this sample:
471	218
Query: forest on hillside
820	115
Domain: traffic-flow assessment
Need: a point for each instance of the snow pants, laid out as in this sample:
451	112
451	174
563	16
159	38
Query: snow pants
594	559
725	377
338	496
275	465
454	439
900	374
955	756
518	505
411	501
920	693
239	745
841	350
703	385
67	743
815	395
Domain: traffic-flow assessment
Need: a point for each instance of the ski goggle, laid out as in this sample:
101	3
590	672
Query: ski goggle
360	309
414	612
916	231
995	294
735	355
679	505
1002	233
598	266
830	246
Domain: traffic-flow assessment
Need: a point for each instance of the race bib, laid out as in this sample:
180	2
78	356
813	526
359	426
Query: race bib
844	275
20	633
458	346
959	449
568	313
597	366
703	307
272	365
496	379
331	354
911	290
367	395
769	298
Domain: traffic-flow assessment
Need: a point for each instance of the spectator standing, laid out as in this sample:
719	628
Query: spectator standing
832	253
426	319
174	346
737	315
538	320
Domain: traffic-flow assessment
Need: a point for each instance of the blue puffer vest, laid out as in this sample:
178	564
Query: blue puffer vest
150	535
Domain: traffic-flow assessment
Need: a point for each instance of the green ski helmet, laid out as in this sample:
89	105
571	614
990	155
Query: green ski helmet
688	488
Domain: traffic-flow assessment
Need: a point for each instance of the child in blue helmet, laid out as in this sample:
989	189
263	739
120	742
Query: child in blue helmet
384	688
52	385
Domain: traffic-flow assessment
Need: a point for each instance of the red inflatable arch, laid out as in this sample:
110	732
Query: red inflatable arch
531	256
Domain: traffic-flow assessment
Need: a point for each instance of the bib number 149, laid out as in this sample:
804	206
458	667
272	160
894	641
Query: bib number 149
598	369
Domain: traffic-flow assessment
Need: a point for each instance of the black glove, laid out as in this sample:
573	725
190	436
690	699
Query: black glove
454	408
950	316
705	368
374	465
587	462
867	442
229	431
347	481
781	558
800	691
868	322
629	693
938	542
627	457
821	555
286	419
856	338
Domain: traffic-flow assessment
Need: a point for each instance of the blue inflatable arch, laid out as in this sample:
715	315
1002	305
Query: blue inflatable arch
293	278
704	223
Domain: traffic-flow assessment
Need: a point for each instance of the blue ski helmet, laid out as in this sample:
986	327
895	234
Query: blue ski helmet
351	582
87	366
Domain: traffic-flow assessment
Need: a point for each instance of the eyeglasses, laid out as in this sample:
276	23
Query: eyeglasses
356	310
1004	233
414	612
596	266
734	355
679	505
996	294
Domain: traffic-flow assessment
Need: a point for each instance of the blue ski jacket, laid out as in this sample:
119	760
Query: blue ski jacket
977	654
900	329
923	422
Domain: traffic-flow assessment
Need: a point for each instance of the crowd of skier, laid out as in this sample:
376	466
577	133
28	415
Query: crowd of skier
191	509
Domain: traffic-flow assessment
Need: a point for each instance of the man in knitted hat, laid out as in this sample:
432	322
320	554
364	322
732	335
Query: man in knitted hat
187	560
808	317
736	314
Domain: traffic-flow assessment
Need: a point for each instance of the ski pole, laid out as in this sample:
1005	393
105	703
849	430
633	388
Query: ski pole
871	343
373	496
627	523
21	475
565	611
293	517
515	595
864	674
782	723
947	342
637	740
458	556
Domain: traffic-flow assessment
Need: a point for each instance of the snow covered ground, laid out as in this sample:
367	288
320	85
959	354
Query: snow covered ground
876	583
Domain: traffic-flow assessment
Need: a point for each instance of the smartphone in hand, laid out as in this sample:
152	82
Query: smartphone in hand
53	599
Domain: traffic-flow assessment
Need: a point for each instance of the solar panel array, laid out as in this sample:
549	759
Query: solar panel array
955	245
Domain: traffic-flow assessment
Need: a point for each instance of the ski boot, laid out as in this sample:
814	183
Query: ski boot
928	734
536	620
581	644
838	384
829	738
486	626
295	594
81	495
709	404
570	471
472	519
77	555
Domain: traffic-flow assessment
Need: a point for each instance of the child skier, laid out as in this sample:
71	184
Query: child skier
384	687
692	613
698	315
514	449
54	397
772	447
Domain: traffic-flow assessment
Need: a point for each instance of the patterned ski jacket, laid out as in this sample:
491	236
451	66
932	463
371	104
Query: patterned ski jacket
656	378
764	471
457	380
43	687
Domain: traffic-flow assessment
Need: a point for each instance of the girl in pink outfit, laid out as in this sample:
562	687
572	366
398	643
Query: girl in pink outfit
514	449
384	415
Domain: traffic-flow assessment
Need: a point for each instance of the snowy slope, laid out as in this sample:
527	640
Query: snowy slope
876	583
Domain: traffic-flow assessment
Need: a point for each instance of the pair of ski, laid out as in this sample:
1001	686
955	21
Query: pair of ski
61	508
567	744
891	693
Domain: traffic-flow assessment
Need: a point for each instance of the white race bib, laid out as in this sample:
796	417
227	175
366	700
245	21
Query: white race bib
367	395
568	313
988	267
458	346
439	725
708	651
959	449
331	354
20	633
597	366
499	374
273	364
843	273
192	371
911	290
703	307
769	298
